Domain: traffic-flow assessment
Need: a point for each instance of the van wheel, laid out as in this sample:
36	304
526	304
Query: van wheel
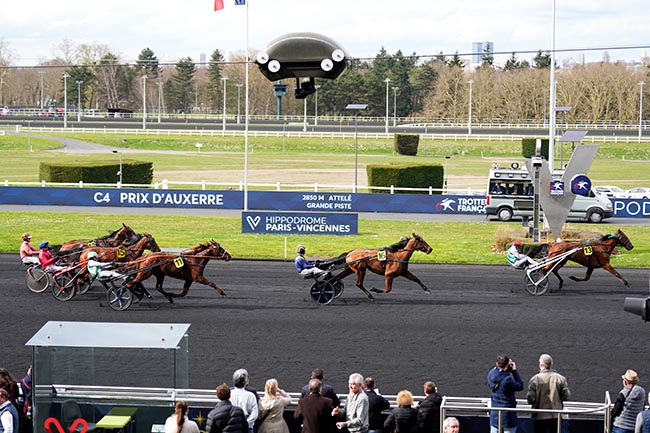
504	214
595	216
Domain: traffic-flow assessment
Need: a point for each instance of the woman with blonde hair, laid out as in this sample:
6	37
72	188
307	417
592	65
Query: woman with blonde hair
272	406
178	422
404	417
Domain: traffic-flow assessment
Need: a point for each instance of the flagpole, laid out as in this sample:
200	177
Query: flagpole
246	122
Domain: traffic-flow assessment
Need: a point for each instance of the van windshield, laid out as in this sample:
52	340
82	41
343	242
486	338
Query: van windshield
511	187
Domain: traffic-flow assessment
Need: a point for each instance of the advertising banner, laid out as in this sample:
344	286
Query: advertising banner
300	223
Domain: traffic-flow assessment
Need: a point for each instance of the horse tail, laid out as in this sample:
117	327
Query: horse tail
334	262
540	250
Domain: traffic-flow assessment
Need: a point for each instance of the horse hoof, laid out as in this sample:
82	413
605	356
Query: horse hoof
427	291
170	299
372	298
223	294
573	278
376	290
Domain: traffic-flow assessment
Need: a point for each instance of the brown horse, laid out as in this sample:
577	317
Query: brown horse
188	266
123	253
125	234
390	262
591	254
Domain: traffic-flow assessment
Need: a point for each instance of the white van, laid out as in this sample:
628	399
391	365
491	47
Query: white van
510	194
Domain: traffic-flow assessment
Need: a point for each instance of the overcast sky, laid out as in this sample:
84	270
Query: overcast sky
181	28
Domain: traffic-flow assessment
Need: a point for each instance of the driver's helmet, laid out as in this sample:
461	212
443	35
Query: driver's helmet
26	236
43	245
517	243
300	249
92	255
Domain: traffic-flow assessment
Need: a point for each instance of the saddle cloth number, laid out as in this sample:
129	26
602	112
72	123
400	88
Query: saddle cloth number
382	256
121	253
178	262
588	250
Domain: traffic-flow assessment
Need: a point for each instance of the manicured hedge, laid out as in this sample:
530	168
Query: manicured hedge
405	176
133	172
406	144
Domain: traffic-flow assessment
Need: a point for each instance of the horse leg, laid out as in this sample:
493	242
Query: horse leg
361	274
186	288
202	280
389	283
407	274
613	271
159	286
587	275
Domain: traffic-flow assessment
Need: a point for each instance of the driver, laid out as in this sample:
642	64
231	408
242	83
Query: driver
304	266
95	268
47	259
28	254
516	258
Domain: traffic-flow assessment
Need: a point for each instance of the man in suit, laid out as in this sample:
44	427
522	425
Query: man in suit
314	411
327	391
376	404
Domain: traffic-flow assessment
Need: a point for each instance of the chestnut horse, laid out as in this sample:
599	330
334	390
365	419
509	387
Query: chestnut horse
389	262
123	253
591	254
188	266
125	234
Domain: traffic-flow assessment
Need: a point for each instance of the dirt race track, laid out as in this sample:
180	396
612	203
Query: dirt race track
269	325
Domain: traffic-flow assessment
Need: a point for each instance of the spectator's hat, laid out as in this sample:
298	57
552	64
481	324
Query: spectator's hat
631	376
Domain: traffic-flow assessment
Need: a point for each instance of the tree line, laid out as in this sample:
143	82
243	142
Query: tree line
436	88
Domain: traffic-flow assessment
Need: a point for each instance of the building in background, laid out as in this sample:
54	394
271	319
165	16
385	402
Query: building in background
479	49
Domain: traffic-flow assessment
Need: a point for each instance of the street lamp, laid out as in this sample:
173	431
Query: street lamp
387	81
447	157
238	99
304	122
144	102
224	79
316	106
65	101
119	173
79	82
357	110
159	98
641	83
41	73
469	116
395	89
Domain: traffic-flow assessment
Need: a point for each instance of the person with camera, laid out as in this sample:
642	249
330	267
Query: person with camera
504	380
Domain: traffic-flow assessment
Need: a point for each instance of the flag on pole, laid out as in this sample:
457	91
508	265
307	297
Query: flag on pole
218	5
240	2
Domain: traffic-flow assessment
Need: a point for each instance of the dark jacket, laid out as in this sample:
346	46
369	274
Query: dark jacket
222	420
429	413
315	414
503	385
403	419
327	391
376	404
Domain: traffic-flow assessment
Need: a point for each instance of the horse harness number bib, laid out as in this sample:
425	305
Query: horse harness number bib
121	253
178	262
382	256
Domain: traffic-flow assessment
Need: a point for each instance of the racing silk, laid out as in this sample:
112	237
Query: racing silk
26	250
94	267
302	263
46	258
513	255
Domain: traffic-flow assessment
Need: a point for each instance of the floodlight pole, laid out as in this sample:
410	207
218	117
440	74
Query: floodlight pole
159	98
469	110
395	89
224	79
79	82
41	73
144	102
551	120
316	106
119	172
65	101
641	83
387	81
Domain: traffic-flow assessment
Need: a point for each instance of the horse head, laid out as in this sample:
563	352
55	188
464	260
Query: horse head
150	243
622	239
421	245
217	251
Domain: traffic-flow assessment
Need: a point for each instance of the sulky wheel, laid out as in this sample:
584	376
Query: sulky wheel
338	288
83	284
37	279
322	292
536	283
63	288
119	298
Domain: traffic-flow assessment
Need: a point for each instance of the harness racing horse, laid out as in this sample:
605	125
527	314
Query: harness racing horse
188	266
122	253
593	254
124	234
390	262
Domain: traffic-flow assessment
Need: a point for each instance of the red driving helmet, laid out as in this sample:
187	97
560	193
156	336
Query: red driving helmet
517	243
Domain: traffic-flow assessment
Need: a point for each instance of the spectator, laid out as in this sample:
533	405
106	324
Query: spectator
271	408
8	414
376	404
25	403
327	391
355	411
628	405
429	409
47	259
504	381
314	411
450	425
304	266
244	399
9	384
404	418
226	417
643	420
28	254
547	390
178	422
